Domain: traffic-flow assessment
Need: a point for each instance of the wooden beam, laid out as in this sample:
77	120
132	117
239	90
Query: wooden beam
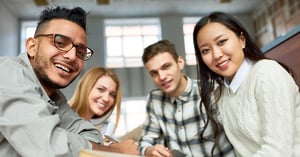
103	2
224	1
40	2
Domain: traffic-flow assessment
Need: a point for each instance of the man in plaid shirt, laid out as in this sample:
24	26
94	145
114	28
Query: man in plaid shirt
174	120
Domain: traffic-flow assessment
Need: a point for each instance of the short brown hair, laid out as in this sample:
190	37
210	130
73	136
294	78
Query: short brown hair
159	47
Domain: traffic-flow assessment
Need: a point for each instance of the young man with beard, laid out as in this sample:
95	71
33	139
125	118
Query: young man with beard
35	119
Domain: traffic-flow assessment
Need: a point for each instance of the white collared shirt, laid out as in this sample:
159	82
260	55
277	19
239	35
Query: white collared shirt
240	75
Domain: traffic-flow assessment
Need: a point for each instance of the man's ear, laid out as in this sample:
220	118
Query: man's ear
31	47
180	62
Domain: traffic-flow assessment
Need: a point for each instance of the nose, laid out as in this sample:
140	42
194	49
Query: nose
71	54
217	52
105	96
162	75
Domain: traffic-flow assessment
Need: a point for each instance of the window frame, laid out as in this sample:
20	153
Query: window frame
188	27
133	114
28	28
144	38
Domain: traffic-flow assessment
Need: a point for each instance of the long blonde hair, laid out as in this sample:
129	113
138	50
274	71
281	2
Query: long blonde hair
79	100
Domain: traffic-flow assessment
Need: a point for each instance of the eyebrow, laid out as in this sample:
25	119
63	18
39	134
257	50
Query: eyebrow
80	44
216	38
156	70
103	86
219	36
153	71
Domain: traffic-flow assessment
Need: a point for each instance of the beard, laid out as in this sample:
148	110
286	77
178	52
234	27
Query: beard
40	65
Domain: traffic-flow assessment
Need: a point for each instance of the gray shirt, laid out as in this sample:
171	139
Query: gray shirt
31	123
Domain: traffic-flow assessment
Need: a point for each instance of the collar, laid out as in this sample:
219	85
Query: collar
185	95
240	76
102	119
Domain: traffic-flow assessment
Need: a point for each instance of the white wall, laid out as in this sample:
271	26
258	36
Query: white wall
8	33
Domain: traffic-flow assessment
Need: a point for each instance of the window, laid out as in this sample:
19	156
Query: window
27	30
127	38
188	27
133	114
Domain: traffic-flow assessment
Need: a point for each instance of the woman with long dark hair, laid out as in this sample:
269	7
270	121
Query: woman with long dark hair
257	100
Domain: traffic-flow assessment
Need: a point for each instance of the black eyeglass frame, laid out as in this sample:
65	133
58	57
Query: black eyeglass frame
87	55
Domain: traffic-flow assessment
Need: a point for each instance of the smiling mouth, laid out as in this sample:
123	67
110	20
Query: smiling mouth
101	105
63	68
222	63
166	84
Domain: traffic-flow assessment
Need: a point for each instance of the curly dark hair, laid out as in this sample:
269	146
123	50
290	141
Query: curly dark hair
76	14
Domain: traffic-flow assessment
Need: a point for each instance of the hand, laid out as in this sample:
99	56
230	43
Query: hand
157	151
109	140
127	147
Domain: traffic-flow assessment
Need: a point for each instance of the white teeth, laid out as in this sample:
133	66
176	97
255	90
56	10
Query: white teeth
102	105
62	67
223	63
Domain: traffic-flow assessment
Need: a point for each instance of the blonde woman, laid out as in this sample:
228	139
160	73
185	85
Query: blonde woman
96	95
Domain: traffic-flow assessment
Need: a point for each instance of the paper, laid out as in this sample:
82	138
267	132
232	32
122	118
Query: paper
94	153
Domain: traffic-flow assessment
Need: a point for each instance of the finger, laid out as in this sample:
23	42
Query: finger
163	152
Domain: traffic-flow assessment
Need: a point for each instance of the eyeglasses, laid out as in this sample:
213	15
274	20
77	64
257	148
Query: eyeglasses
65	44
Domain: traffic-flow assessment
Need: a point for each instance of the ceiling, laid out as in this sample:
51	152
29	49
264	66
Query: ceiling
26	9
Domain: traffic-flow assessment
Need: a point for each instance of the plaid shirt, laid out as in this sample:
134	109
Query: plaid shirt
176	123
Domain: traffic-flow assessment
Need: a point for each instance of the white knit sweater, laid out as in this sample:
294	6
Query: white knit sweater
260	111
